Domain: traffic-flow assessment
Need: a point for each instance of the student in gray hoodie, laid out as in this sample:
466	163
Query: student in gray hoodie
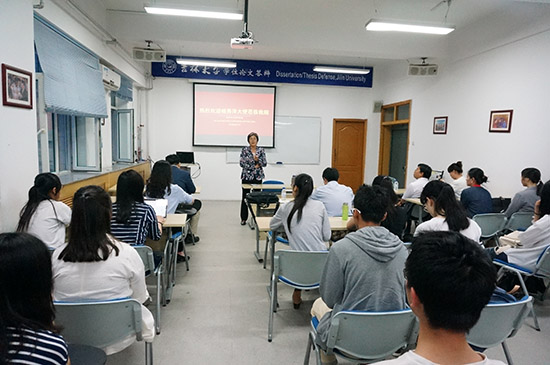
364	270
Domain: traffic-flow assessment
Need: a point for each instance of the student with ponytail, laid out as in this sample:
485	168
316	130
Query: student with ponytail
304	220
476	199
525	200
447	213
44	216
458	180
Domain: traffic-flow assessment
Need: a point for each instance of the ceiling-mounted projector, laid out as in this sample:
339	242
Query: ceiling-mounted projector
242	43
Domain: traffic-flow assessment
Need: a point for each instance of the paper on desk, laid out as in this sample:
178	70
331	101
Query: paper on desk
159	205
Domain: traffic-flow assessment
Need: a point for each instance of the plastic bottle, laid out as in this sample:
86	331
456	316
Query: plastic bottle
283	193
345	211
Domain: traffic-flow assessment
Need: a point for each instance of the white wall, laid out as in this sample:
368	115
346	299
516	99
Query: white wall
171	115
514	76
18	142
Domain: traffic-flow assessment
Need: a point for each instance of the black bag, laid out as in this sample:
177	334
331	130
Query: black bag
262	198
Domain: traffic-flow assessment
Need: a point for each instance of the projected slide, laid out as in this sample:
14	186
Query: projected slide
225	114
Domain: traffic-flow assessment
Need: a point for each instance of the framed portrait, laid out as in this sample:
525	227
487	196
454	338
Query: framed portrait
440	125
16	87
501	121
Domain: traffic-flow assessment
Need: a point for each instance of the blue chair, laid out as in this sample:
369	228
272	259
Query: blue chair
361	337
277	186
542	270
268	239
499	322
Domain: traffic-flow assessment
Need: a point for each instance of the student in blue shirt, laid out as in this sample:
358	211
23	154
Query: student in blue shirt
475	199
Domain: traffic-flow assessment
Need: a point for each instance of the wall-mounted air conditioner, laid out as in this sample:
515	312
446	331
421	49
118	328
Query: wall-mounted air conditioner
111	80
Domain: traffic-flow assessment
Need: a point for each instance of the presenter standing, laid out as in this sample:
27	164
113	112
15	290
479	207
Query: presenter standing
252	161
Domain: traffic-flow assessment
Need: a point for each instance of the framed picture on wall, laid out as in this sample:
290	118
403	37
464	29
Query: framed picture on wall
440	125
501	121
16	87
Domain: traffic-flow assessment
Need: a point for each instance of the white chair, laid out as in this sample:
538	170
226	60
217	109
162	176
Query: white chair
298	269
366	336
499	322
146	255
519	221
542	270
102	323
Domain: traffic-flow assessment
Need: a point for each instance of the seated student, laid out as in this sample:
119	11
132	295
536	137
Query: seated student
364	270
28	334
396	218
476	199
448	215
180	177
458	180
93	265
160	186
525	200
44	216
305	222
133	221
333	194
422	175
449	282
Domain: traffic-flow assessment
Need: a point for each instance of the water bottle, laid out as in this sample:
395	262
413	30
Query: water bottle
283	193
345	211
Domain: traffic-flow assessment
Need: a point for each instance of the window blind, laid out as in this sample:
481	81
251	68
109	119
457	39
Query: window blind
126	91
72	75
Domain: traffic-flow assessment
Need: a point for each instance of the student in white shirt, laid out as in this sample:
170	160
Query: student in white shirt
449	280
44	216
93	265
333	195
458	181
447	213
422	175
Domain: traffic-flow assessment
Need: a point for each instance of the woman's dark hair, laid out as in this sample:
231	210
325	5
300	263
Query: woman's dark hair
26	286
478	175
159	181
252	134
456	166
544	207
90	223
43	185
386	183
533	174
445	204
129	191
304	183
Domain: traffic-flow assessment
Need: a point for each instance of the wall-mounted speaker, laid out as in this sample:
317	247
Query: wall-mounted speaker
423	70
377	106
148	55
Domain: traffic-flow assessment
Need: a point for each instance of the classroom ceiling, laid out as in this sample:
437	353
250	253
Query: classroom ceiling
314	31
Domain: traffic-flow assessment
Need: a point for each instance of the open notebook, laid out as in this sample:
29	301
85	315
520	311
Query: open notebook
159	205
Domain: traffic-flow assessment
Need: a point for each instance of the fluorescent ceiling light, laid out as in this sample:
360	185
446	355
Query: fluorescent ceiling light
195	13
197	62
383	26
341	70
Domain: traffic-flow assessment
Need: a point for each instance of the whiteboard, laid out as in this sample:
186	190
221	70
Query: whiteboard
297	141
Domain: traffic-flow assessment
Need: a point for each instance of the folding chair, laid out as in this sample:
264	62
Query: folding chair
542	270
499	322
146	254
298	269
361	337
491	225
102	323
277	238
276	187
519	221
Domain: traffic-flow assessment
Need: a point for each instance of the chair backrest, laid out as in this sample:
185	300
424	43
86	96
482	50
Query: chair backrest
146	255
277	186
490	223
372	335
99	324
498	322
303	268
543	263
519	221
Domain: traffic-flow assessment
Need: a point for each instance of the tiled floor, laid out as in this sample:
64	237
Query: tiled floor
219	310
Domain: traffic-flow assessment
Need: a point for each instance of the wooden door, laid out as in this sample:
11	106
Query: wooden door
349	138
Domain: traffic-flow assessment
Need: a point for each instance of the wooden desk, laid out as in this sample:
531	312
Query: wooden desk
400	191
418	207
414	201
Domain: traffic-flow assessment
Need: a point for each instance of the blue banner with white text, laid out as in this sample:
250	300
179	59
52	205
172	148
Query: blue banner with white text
262	71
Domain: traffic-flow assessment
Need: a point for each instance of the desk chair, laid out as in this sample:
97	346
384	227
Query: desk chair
298	269
361	337
276	236
499	322
519	221
274	189
146	255
542	270
102	323
491	225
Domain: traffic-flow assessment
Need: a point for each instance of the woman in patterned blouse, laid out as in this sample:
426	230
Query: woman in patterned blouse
252	162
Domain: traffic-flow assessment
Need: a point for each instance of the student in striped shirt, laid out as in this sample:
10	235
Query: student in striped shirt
133	221
27	332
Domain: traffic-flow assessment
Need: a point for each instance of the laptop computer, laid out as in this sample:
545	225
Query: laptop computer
186	157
